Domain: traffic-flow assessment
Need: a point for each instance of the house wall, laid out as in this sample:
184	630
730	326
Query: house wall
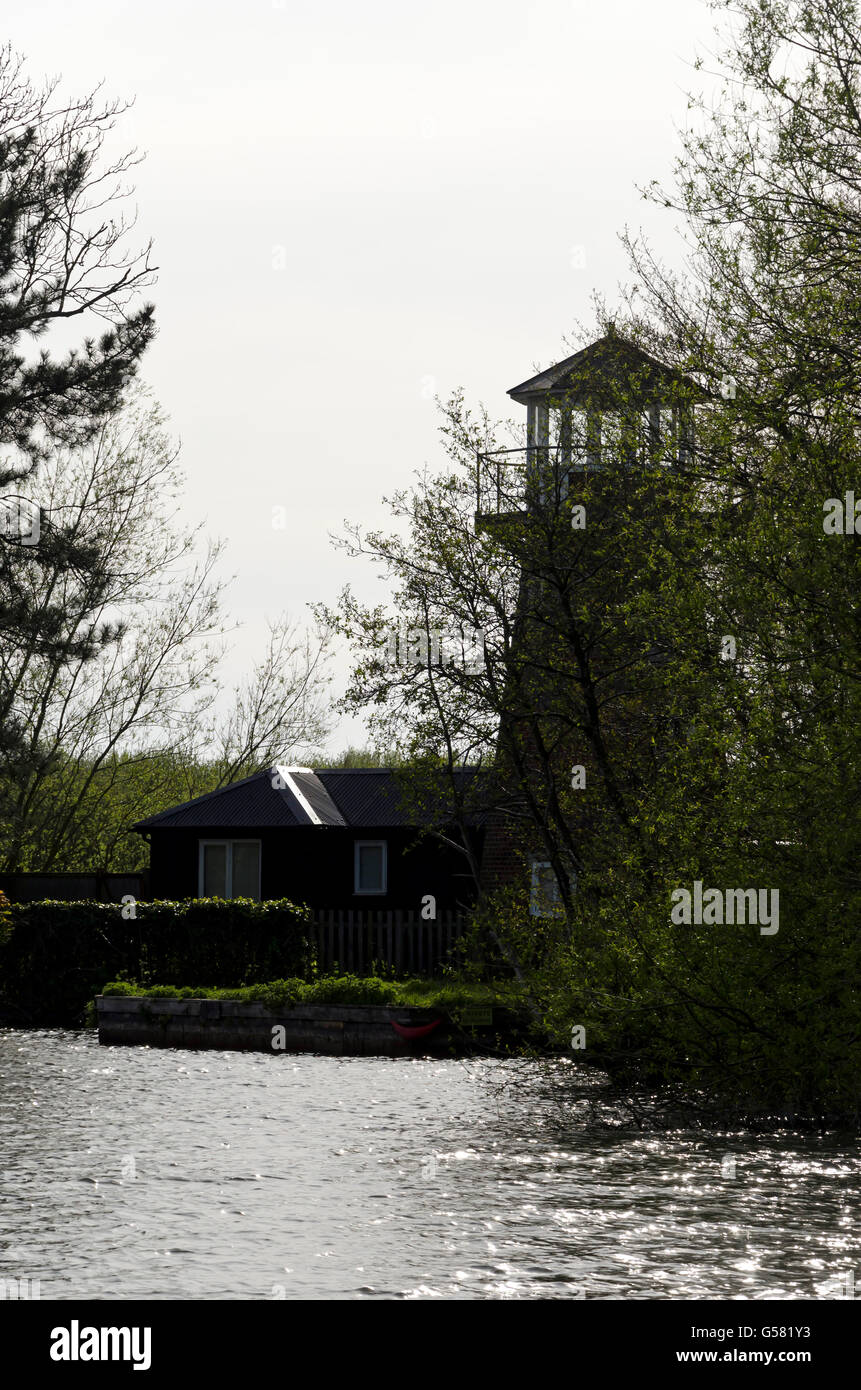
314	865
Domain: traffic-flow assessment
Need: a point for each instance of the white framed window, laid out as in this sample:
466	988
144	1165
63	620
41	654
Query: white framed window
545	900
229	869
370	866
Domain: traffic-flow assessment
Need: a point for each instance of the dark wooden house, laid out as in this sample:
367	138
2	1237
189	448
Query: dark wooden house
330	839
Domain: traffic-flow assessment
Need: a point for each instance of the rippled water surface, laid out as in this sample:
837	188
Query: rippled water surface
139	1173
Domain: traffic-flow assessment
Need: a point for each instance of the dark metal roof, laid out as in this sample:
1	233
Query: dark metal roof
365	796
255	801
354	797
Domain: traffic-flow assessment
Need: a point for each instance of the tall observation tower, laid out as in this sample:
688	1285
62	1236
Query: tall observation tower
609	433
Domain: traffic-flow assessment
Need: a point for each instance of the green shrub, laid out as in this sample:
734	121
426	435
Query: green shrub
352	989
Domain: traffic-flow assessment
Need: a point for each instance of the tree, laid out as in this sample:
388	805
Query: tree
64	255
108	738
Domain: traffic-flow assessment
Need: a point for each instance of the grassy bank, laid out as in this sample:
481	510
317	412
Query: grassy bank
450	996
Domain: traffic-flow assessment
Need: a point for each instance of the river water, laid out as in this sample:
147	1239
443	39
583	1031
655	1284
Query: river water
144	1173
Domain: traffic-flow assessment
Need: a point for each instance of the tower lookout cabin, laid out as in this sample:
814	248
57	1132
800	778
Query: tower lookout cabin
609	402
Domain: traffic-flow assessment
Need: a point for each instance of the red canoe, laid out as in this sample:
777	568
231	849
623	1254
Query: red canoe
411	1033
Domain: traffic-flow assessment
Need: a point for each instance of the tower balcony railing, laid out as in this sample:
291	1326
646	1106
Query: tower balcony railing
538	476
524	479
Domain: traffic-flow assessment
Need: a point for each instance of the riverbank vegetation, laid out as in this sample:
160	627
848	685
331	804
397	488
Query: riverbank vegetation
669	683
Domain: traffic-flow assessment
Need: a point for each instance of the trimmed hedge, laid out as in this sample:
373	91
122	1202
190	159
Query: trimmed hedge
54	956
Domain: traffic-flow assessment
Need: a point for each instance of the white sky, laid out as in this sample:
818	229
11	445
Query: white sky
427	171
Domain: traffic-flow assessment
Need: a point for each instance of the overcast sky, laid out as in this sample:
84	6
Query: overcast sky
356	204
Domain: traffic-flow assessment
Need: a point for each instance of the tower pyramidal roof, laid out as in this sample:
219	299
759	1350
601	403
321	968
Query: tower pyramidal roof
607	368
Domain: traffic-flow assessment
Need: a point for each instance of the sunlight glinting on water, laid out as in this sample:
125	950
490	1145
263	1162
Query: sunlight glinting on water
145	1173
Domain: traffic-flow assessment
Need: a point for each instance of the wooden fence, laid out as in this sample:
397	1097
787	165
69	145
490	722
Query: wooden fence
354	941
